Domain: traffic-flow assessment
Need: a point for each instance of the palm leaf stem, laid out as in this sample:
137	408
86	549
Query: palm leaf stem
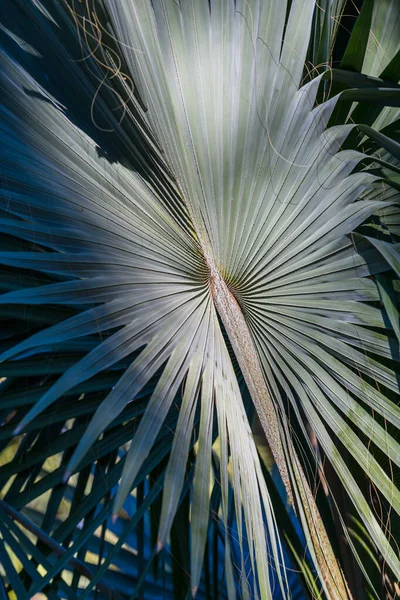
246	354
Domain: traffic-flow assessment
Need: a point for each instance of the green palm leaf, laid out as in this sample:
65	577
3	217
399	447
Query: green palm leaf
222	204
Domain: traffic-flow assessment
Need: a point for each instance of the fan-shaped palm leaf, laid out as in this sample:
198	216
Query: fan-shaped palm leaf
222	202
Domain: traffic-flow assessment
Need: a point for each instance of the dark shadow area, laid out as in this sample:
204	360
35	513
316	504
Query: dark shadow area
350	13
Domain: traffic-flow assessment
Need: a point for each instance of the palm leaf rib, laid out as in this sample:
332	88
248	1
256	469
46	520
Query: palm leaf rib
218	201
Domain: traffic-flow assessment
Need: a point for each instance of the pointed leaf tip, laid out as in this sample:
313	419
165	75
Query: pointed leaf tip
160	546
194	591
114	519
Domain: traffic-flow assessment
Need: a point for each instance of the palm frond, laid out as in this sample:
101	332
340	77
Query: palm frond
209	199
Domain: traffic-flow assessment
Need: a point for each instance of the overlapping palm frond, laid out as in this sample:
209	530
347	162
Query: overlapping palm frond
175	195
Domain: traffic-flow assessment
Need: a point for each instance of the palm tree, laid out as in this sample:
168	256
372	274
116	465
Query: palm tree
199	242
